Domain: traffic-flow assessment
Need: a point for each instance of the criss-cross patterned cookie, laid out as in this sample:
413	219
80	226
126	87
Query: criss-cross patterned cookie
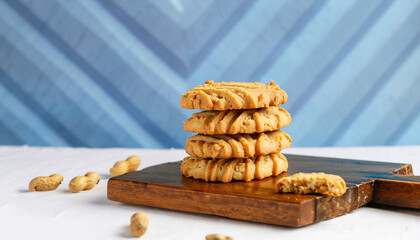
238	121
233	95
226	170
303	183
238	145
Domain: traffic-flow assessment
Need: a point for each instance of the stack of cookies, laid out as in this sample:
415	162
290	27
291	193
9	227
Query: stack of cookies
238	133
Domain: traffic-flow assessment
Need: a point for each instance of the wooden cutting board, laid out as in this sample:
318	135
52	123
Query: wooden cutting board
164	186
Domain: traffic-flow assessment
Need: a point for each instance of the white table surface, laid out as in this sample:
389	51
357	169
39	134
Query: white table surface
61	214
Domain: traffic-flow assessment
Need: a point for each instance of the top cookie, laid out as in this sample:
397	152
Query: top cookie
232	95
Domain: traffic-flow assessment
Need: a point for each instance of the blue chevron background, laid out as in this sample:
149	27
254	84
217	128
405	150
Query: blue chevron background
111	73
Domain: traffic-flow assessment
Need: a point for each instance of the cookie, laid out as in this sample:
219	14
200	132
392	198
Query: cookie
233	95
226	170
303	183
238	121
238	145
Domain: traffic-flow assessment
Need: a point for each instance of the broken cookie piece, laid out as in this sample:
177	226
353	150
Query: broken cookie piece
304	183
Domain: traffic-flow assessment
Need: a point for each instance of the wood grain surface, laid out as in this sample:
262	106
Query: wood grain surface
164	186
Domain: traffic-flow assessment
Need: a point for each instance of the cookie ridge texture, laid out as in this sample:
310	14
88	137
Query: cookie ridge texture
238	121
233	95
237	145
304	183
226	170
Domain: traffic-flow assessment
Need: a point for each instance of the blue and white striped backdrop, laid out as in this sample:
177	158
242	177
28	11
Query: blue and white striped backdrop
111	73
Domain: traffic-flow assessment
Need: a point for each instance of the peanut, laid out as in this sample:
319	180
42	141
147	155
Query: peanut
45	183
138	224
215	236
86	182
125	166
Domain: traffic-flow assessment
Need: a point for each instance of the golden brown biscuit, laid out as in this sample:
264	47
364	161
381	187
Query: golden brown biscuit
238	121
226	170
303	183
238	145
233	95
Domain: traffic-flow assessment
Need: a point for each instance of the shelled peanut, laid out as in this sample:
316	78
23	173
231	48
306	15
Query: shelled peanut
138	224
125	166
45	183
86	182
216	236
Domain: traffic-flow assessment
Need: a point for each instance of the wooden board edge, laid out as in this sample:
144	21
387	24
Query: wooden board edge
397	193
230	206
357	195
407	169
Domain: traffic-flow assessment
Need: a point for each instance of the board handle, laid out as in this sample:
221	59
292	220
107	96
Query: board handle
403	191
